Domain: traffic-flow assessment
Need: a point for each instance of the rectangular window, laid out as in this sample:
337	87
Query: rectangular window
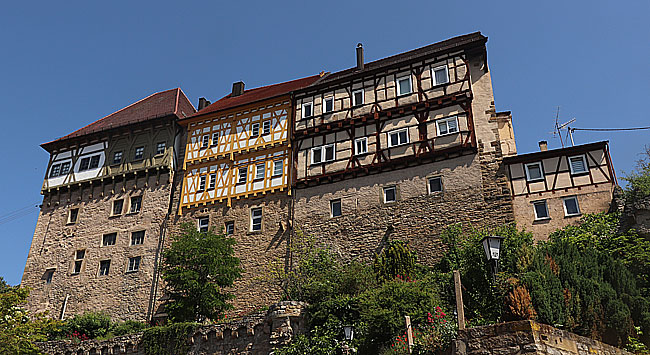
160	148
329	152
328	104
241	178
117	207
117	157
335	208
65	168
307	109
571	207
404	85
541	210
134	264
435	184
54	172
259	171
357	97
213	181
78	262
361	146
229	227
201	182
316	155
323	154
136	204
94	162
203	224
49	275
104	267
534	171
109	239
73	215
255	129
139	153
137	238
205	141
398	137
447	126
278	168
256	219
266	127
84	164
578	164
440	75
215	138
390	194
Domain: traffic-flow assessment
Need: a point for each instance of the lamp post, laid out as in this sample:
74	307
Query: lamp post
492	248
348	330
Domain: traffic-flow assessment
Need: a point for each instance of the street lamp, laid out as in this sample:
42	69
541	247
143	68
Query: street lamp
492	247
349	335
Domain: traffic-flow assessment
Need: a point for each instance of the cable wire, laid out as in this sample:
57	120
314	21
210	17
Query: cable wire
609	129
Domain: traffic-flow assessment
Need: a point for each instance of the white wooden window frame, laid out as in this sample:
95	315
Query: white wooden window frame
321	153
354	97
446	121
364	141
328	98
541	171
202	224
398	87
242	175
384	195
137	240
229	227
213	181
134	264
541	202
433	75
584	162
215	138
278	168
266	128
255	129
566	211
333	203
202	179
205	141
305	105
256	219
431	178
260	170
399	142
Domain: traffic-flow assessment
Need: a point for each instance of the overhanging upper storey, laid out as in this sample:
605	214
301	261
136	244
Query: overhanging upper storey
394	112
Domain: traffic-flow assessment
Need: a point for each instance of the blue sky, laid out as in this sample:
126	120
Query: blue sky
65	64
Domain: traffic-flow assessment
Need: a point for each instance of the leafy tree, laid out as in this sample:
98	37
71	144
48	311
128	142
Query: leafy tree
196	268
396	260
18	328
639	180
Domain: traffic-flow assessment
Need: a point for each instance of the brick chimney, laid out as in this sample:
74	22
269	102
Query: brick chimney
203	103
543	146
237	89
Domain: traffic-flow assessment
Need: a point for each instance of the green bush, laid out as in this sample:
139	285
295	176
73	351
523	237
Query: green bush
128	327
92	324
168	340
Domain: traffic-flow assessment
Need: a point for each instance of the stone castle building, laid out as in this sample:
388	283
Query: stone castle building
400	147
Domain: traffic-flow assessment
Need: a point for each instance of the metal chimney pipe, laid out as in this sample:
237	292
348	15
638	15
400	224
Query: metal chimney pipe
359	56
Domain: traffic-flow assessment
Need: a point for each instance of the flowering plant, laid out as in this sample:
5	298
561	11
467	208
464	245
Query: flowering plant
431	338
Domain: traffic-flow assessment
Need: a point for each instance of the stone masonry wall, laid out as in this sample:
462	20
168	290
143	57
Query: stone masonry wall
121	294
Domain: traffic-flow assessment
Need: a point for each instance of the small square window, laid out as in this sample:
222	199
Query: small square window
307	109
259	171
435	184
357	97
117	157
255	130
335	208
117	207
160	148
213	181
278	168
49	275
137	238
404	86
571	207
390	194
134	264
398	137
205	141
65	168
266	127
139	153
109	239
229	227
202	179
84	164
94	162
73	215
578	164
328	104
447	126
541	210
80	254
215	138
256	219
136	204
440	75
203	224
361	146
241	178
55	170
104	267
534	171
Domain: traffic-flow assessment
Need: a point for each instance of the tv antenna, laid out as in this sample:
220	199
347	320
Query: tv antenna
559	127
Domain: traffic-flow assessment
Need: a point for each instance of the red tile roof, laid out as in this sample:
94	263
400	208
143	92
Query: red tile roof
257	94
160	104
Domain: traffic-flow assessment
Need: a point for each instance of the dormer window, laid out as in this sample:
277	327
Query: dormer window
307	109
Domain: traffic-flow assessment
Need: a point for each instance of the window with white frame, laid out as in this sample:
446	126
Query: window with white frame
335	208
435	184
571	207
213	181
440	75
65	168
323	154
134	264
109	239
137	238
534	171
256	219
241	178
398	137
255	129
73	215
278	167
215	138
361	146
447	125
205	141
201	182
160	148
328	104
229	227
266	127
390	194
259	171
578	164
404	86
307	109
357	97
78	261
203	224
541	210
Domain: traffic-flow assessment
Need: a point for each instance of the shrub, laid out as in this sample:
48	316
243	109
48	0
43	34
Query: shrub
128	327
170	339
91	324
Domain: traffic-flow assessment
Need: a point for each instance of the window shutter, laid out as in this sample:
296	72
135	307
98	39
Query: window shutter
578	165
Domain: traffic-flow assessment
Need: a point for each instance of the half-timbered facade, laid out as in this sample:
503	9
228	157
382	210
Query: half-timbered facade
236	178
406	145
554	188
106	195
